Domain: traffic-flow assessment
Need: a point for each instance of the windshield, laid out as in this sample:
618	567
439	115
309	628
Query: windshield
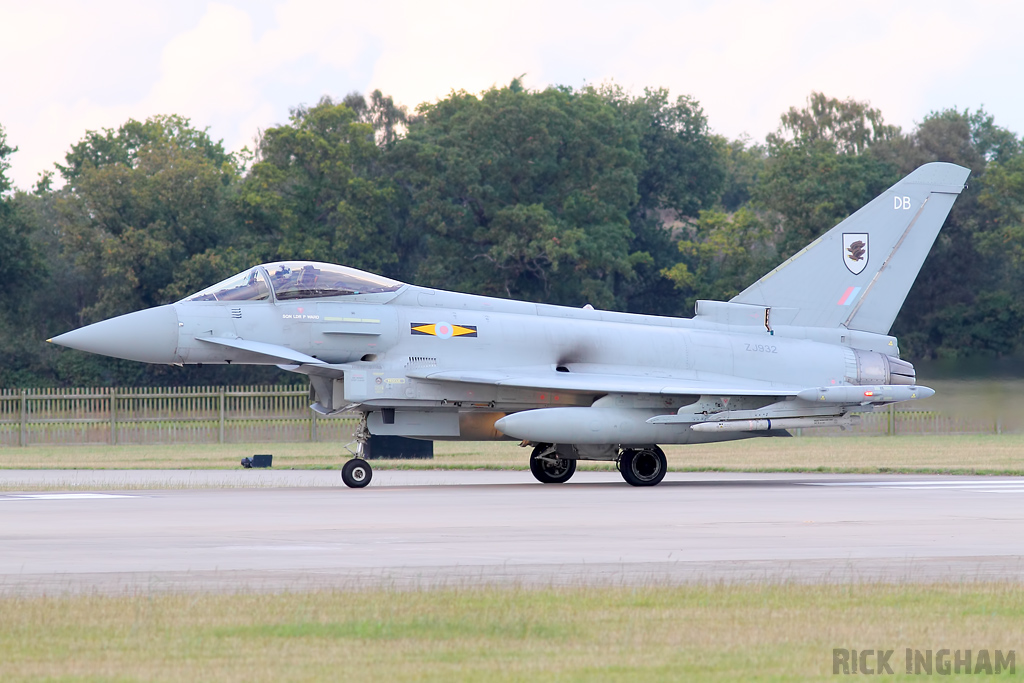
248	286
307	280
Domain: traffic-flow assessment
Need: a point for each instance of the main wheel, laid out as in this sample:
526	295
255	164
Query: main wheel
643	467
356	473
551	469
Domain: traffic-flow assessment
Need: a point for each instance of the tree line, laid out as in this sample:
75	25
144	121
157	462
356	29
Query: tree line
569	196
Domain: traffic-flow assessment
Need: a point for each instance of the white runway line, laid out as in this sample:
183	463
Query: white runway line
64	496
998	486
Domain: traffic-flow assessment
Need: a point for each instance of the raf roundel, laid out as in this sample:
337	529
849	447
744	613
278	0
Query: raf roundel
443	330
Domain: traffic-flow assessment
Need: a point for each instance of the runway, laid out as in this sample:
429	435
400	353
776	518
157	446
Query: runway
302	530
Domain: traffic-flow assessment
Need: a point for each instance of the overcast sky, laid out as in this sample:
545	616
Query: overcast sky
237	67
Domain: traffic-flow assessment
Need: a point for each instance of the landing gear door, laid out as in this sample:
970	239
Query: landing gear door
327	393
358	385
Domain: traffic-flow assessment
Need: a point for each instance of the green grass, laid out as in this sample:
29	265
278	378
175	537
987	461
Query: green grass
696	632
974	454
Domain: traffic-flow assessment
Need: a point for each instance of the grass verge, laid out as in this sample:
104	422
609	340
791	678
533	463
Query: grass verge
697	632
974	454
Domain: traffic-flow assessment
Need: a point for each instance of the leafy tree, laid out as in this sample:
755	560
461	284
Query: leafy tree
814	171
991	325
681	168
13	245
993	142
569	196
5	164
828	159
388	119
681	172
720	252
22	271
964	272
807	190
820	168
21	265
846	126
559	195
743	160
317	191
534	187
139	202
123	146
1001	201
979	311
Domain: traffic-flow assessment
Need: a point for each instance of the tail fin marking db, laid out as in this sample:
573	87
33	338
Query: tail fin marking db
858	274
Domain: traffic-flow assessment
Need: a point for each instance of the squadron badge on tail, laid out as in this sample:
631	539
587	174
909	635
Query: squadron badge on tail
855	251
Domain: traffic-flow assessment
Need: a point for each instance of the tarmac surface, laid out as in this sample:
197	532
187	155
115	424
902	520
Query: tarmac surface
140	531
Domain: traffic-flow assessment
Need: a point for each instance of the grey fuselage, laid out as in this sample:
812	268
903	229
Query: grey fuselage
373	357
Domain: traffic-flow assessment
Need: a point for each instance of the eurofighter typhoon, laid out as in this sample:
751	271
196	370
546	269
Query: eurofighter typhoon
807	345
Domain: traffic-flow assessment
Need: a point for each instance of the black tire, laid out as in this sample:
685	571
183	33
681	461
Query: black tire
643	467
558	471
356	473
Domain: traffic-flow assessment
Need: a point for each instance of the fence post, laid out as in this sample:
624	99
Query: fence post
221	415
23	426
312	425
892	419
113	416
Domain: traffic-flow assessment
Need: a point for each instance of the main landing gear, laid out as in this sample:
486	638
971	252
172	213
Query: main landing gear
644	466
549	467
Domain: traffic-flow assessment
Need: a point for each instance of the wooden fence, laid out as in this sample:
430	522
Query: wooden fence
165	415
893	420
275	414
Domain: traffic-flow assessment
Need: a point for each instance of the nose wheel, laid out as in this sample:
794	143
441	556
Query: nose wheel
356	473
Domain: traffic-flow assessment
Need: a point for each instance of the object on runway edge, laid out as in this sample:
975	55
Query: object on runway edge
806	345
259	460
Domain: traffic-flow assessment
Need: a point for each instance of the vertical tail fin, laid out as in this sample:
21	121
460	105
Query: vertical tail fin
858	274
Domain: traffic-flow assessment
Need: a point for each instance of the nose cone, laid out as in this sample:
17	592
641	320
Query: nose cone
150	336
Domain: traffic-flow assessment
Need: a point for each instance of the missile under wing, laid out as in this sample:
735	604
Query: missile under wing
807	345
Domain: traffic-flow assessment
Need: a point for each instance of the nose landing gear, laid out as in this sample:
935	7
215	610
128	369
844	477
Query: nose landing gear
357	473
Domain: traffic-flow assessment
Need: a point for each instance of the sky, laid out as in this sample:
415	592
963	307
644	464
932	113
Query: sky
238	67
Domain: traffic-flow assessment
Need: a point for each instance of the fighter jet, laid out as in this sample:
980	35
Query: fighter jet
805	346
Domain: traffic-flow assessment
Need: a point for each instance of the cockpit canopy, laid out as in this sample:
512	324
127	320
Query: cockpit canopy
295	280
